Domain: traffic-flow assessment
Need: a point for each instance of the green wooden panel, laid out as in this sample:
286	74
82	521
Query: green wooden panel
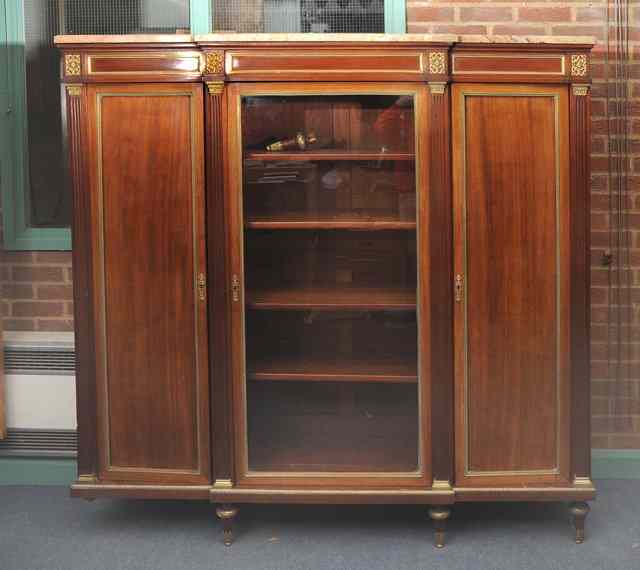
395	16
200	16
13	142
23	471
606	464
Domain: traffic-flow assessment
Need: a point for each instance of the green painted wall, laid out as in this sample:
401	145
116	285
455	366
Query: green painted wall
606	464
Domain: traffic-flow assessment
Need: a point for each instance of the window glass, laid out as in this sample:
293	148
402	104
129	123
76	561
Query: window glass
320	16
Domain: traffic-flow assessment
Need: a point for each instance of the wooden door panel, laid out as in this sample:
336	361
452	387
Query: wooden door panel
152	363
511	194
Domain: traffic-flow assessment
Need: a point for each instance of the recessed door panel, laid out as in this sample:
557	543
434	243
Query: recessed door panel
151	272
511	283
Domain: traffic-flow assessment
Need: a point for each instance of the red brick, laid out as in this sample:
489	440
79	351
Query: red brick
484	14
544	14
591	14
599	295
12	291
17	256
599	441
37	309
428	14
599	405
624	441
19	324
519	30
48	257
55	292
460	29
598	32
37	273
55	325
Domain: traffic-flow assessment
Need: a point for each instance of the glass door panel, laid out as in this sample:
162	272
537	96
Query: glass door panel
330	272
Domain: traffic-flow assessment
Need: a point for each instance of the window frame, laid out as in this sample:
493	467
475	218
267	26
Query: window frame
18	235
14	182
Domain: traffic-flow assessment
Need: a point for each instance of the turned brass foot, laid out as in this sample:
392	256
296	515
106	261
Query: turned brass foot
439	516
579	512
226	513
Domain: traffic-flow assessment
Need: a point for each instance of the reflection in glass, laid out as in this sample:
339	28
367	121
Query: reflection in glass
330	264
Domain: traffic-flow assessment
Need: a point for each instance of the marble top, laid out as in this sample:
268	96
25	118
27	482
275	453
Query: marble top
231	37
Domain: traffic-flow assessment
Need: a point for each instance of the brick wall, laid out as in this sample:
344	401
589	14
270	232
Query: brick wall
36	291
615	368
36	287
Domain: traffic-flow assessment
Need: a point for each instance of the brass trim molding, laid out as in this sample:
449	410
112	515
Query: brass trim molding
580	90
468	472
579	65
214	63
74	90
215	87
441	485
223	484
72	64
437	88
437	62
583	482
87	479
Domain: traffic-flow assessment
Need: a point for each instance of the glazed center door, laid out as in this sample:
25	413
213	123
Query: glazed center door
325	195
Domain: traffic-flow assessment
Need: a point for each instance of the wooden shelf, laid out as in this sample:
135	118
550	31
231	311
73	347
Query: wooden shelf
335	369
331	155
358	298
302	221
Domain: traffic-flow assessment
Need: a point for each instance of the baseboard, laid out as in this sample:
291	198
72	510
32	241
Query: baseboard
605	464
615	463
30	471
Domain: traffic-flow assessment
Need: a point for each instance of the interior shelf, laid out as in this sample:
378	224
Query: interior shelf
356	298
328	221
328	154
326	369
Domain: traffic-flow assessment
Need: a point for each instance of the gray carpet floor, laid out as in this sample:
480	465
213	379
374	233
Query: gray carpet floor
41	528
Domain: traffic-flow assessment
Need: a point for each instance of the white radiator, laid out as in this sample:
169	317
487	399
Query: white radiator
40	393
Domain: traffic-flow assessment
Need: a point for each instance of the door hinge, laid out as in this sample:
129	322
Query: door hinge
202	287
459	288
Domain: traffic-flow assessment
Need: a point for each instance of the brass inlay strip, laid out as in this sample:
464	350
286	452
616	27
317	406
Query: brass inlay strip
555	470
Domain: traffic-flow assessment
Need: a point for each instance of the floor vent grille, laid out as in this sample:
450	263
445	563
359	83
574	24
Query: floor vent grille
35	360
39	443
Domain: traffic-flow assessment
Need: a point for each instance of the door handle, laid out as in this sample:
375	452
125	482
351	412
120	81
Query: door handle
459	288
